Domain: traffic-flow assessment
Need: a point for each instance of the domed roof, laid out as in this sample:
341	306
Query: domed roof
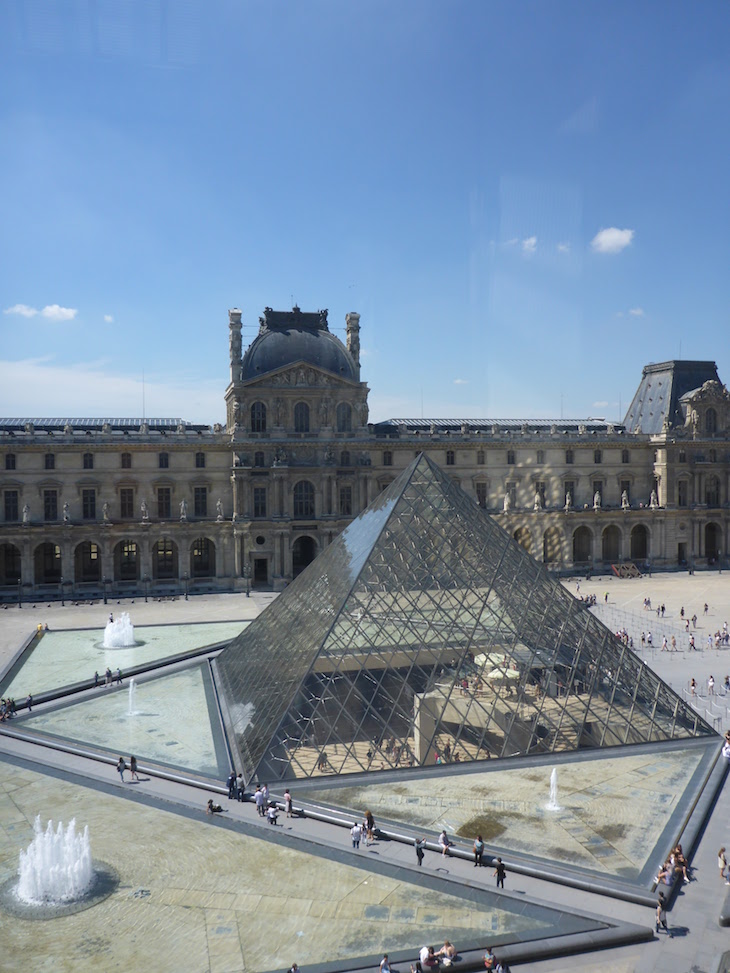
289	337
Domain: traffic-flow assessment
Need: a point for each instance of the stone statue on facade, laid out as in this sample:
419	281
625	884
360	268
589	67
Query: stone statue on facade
364	458
279	412
144	510
364	412
105	512
538	501
323	411
68	429
219	510
625	505
183	509
653	500
597	500
329	456
66	514
568	501
26	514
279	456
507	502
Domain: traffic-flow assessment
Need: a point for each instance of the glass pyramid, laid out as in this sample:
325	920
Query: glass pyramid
424	634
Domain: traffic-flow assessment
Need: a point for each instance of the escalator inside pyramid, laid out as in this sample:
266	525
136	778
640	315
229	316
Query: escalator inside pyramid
424	634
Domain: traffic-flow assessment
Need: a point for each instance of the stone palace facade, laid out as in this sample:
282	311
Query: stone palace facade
157	506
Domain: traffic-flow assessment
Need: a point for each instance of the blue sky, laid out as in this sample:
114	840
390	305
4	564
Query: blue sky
526	202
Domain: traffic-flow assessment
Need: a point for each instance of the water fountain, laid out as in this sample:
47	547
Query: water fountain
57	867
119	634
552	804
131	711
56	874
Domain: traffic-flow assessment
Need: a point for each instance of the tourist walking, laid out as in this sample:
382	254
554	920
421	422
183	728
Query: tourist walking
133	775
500	871
661	915
369	827
240	788
288	803
29	703
96	679
356	835
711	686
119	677
231	785
722	865
259	800
420	845
121	767
478	852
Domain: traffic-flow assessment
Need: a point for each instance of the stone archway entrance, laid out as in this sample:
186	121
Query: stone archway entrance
639	543
303	552
712	542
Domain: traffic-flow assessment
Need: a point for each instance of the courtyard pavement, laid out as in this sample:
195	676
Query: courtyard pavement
696	947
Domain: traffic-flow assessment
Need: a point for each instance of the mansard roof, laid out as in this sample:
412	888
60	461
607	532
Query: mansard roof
657	399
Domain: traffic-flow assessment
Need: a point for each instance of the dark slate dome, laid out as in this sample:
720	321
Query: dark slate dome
289	337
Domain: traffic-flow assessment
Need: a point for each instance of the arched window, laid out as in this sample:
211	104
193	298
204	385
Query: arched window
202	558
303	500
345	459
710	422
344	417
450	457
258	458
258	417
301	417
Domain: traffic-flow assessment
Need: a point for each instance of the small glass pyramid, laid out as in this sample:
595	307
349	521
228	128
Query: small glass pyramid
424	634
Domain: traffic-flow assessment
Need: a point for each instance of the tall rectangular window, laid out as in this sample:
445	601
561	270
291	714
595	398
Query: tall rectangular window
481	491
88	504
510	457
200	461
346	501
682	493
11	506
569	457
597	456
164	460
50	505
49	461
126	503
126	461
10	461
200	501
259	501
164	502
387	458
88	461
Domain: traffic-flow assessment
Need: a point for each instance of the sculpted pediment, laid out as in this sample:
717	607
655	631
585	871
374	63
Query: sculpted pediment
711	392
301	375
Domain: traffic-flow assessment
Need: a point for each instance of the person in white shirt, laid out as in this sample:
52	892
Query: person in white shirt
356	832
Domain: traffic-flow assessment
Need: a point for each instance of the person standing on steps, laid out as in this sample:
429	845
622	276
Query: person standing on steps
478	852
121	767
500	871
661	915
356	834
288	805
420	844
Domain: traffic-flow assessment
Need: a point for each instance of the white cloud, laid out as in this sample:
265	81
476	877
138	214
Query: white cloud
511	243
53	312
611	240
637	312
529	245
29	387
109	318
22	309
563	248
461	381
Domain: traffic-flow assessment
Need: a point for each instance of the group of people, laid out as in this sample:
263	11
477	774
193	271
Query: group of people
674	867
109	678
366	829
122	766
7	709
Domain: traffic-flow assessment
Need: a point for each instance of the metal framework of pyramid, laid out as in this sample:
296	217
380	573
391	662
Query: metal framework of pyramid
425	634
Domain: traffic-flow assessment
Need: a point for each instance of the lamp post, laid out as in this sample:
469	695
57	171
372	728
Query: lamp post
20	592
247	576
63	602
185	579
146	581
